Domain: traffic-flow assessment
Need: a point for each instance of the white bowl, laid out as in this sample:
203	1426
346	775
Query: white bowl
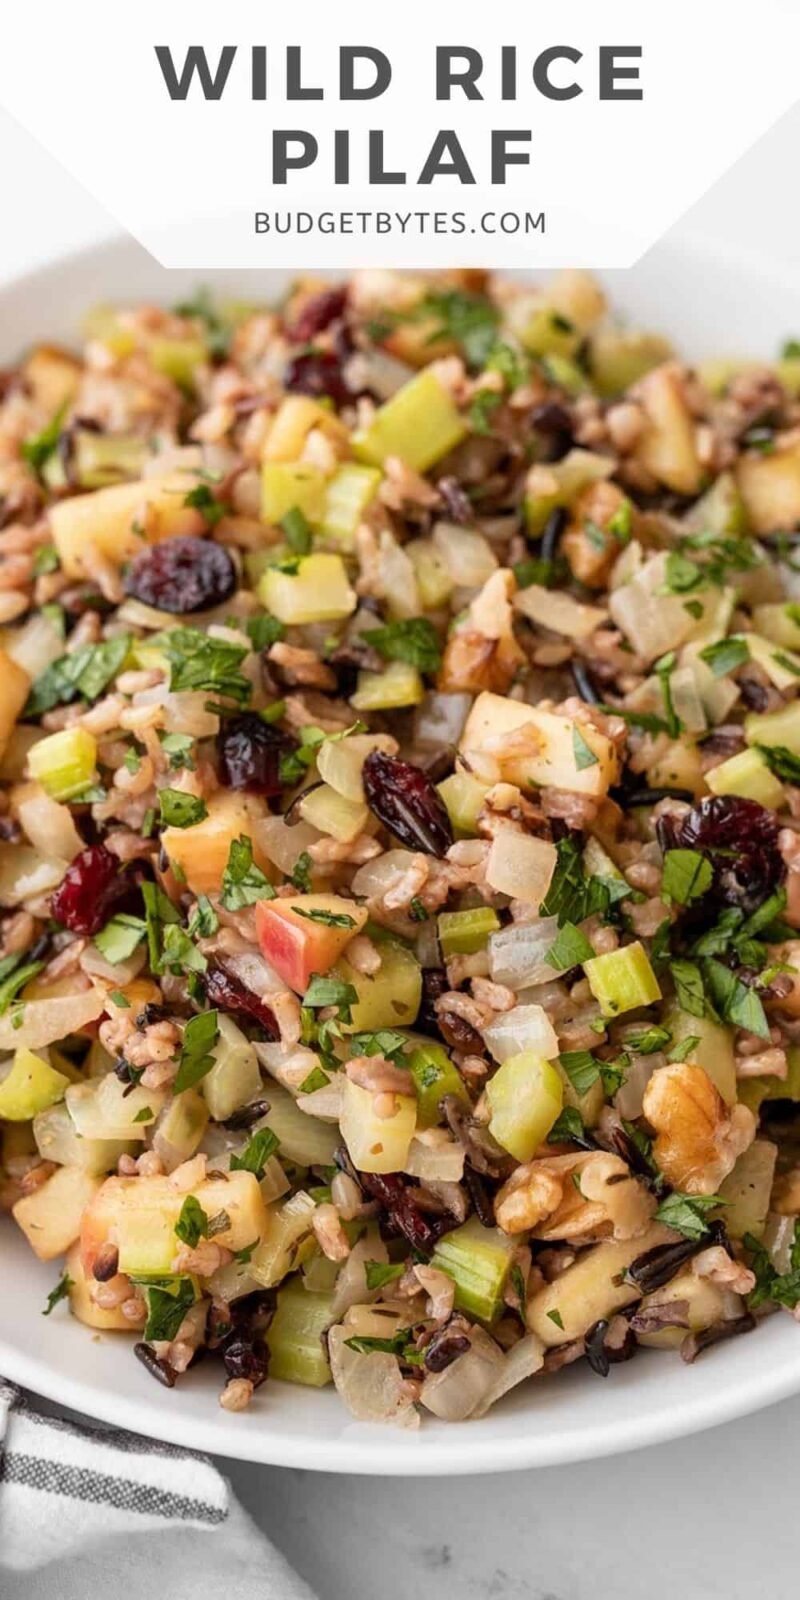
730	307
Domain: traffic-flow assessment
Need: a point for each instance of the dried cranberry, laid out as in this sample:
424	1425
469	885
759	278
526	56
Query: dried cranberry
319	374
402	1213
741	839
245	1358
554	422
444	1349
406	802
249	753
318	313
182	575
230	994
90	887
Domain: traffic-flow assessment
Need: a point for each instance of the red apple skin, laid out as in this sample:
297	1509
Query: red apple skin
298	946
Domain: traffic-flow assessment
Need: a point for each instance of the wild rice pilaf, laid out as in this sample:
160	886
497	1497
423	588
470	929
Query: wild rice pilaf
400	837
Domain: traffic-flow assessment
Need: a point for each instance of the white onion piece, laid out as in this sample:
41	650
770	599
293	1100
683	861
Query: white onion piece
686	700
469	557
250	967
523	1028
119	973
630	1095
374	878
517	954
283	844
326	1104
520	1362
34	646
520	865
289	1064
654	621
376	371
137	615
25	873
441	719
455	1393
49	826
184	711
49	1021
186	458
559	612
371	1386
396	578
232	1281
437	1163
351	1283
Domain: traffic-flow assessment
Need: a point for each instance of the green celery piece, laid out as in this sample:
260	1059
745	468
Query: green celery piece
478	1260
462	933
434	1076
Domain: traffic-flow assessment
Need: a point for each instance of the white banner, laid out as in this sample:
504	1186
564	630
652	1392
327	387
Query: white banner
451	133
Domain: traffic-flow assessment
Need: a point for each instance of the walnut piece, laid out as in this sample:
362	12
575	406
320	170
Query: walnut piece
583	1197
698	1138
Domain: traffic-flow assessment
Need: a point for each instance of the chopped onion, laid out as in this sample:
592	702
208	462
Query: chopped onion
250	967
441	719
372	1385
686	700
559	612
437	1163
376	371
455	1393
324	1103
520	865
49	826
289	1064
373	879
184	712
351	1283
118	973
25	873
523	1028
396	579
282	843
517	954
49	1021
186	458
469	557
630	1095
522	1361
34	646
653	621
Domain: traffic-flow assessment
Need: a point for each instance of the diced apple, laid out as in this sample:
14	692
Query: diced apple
81	1303
51	377
552	758
770	488
306	933
294	420
16	684
201	853
139	1216
667	448
235	1076
376	1142
119	521
51	1217
330	813
318	591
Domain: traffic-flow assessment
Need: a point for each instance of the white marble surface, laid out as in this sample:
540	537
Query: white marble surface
705	1518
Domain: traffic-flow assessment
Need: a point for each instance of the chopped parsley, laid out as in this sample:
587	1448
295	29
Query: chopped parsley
568	1128
167	1299
199	661
570	948
297	529
61	1291
378	1273
687	876
200	1036
256	1153
725	656
413	640
328	919
331	992
583	753
180	810
687	1213
301	872
179	749
573	895
203	500
192	1224
120	937
582	1069
82	675
243	883
38	449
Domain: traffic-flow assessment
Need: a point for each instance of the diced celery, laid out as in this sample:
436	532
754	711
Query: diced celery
303	1139
318	591
288	1231
178	359
29	1086
462	933
775	727
235	1076
63	763
566	374
526	1096
286	485
183	1123
746	1190
333	814
478	1260
618	359
419	424
720	510
389	999
398	685
434	1076
748	776
622	979
297	1353
100	459
597	863
341	761
464	797
782	667
347	495
376	1143
547	333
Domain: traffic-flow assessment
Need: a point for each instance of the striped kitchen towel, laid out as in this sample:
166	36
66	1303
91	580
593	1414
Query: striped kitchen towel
90	1511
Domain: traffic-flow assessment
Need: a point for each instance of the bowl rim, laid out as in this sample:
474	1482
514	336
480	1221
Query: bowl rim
376	1450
